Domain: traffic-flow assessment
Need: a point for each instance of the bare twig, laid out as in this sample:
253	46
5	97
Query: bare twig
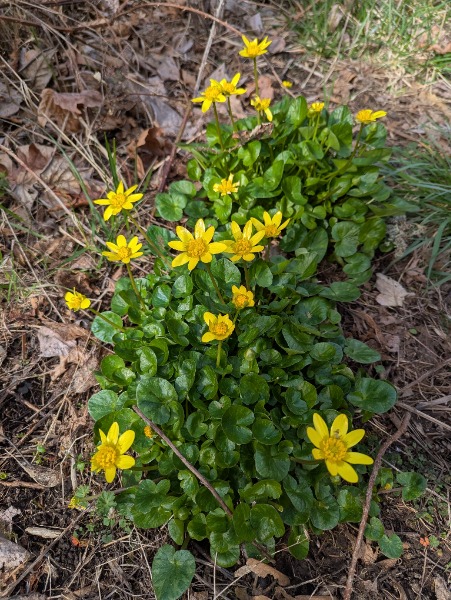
369	493
188	465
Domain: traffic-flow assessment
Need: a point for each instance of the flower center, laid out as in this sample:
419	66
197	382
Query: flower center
212	93
124	252
334	449
196	248
241	301
118	200
218	329
228	87
243	246
253	49
271	231
107	457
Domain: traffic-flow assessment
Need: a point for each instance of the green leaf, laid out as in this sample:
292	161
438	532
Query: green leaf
350	501
161	296
340	291
234	423
187	188
326	352
413	484
312	311
103	330
183	286
186	376
391	545
228	274
197	527
223	208
374	529
265	431
153	394
356	264
292	187
176	529
298	544
300	494
360	352
147	361
260	273
193	169
170	206
271	463
172	572
373	395
241	524
150	495
325	514
346	236
249	153
110	364
273	175
266	522
297	111
262	490
103	403
207	382
253	388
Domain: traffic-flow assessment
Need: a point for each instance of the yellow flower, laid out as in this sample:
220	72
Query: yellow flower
315	108
213	93
229	87
245	244
368	116
122	250
333	447
219	327
195	248
287	84
271	227
262	105
119	200
75	301
254	48
242	298
110	453
148	432
226	186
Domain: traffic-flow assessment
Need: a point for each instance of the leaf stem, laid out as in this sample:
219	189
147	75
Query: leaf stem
214	282
229	110
218	355
246	276
134	286
218	127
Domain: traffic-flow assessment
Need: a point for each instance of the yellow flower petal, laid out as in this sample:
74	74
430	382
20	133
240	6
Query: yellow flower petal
357	458
209	317
125	462
110	474
193	262
208	337
121	241
317	454
177	245
320	426
184	234
125	441
347	472
199	228
353	437
113	433
180	260
332	467
314	436
339	426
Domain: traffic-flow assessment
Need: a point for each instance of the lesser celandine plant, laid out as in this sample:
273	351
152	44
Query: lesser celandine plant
230	392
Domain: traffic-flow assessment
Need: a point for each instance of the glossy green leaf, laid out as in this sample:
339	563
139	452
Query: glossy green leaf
413	485
103	403
360	352
235	421
106	328
373	395
391	545
253	388
172	572
170	206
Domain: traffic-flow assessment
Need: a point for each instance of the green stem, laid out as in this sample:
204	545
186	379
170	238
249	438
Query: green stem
97	314
218	127
246	276
135	289
359	135
266	255
218	356
305	462
257	91
316	126
229	110
149	241
214	282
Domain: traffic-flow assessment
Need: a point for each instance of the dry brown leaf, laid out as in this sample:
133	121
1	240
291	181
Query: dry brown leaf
334	17
52	343
43	532
12	558
442	591
64	109
35	67
10	100
387	563
262	570
439	49
265	87
241	593
6	519
391	293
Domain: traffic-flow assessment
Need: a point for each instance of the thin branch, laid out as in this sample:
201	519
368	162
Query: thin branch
187	464
369	493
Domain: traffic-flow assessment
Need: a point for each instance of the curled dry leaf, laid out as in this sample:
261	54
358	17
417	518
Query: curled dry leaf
36	68
391	293
64	109
262	570
43	532
10	100
12	558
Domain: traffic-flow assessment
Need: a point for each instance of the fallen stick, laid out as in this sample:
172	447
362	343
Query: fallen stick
369	493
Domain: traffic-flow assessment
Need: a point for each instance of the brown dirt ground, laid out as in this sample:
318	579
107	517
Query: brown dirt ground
135	75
